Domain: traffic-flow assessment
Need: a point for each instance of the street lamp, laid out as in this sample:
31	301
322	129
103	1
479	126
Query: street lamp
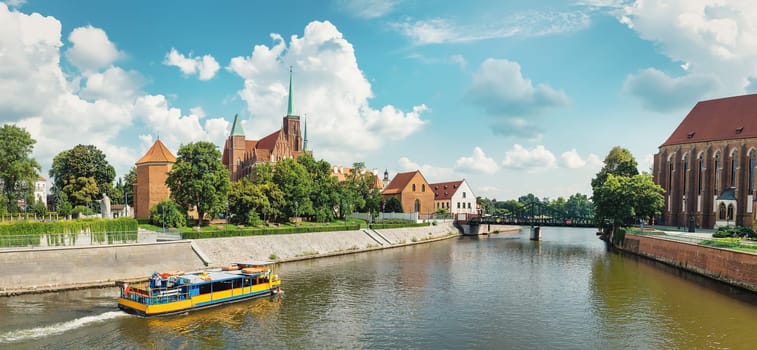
163	208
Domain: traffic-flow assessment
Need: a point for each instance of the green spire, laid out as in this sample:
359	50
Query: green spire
236	128
289	107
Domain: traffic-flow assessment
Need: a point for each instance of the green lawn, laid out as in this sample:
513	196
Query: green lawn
731	243
283	226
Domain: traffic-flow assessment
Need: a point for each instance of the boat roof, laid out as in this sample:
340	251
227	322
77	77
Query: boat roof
255	263
216	276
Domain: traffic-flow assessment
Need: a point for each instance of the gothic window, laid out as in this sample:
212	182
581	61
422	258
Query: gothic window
751	171
685	167
701	174
670	177
734	166
717	173
730	212
721	211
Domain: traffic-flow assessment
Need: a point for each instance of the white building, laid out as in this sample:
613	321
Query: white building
40	190
455	196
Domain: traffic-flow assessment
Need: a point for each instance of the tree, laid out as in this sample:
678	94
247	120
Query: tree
392	205
247	202
18	170
323	192
558	204
198	179
79	167
621	195
168	214
293	180
123	191
578	205
487	206
619	162
528	199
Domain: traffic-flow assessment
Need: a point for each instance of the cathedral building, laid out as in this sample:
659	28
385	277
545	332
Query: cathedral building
240	155
707	165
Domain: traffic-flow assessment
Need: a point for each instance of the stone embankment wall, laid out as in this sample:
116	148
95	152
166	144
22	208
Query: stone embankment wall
733	267
485	228
42	270
289	247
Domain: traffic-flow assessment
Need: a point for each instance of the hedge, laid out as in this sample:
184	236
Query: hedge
57	233
265	231
385	226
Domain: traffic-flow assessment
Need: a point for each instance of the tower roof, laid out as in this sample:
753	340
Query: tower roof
236	128
158	153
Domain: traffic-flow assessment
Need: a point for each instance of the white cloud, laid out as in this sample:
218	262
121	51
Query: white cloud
91	50
205	67
531	23
430	172
198	111
368	8
716	41
572	160
36	95
532	160
15	3
477	163
500	88
663	93
328	87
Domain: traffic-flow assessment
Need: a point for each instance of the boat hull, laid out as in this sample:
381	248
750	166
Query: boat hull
196	303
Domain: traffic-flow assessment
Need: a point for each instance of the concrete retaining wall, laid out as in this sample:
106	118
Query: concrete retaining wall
53	269
733	267
42	270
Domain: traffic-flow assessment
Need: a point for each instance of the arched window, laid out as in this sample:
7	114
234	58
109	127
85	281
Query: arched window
730	212
700	177
751	171
685	174
734	166
670	177
417	205
717	173
721	211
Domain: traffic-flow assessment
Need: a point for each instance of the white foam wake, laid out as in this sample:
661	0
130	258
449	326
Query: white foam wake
57	328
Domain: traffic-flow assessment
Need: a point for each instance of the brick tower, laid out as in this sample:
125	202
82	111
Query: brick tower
152	172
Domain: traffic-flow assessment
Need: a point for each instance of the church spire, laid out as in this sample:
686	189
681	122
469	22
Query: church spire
236	128
289	106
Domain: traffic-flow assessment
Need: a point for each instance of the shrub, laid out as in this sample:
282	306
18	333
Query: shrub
169	213
734	231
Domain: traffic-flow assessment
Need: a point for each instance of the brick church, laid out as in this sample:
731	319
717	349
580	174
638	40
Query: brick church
707	165
240	155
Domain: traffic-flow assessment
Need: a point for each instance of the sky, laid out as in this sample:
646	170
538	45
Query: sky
516	97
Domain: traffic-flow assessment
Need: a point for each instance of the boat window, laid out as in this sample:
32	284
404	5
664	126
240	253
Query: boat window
221	285
205	288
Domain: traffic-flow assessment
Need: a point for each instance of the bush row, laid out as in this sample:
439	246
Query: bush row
265	231
734	231
408	224
58	233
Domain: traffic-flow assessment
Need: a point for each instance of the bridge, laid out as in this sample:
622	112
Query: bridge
536	214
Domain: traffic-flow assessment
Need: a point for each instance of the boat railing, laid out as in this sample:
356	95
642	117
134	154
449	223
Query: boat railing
153	296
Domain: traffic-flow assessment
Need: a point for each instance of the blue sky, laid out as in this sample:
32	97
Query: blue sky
515	97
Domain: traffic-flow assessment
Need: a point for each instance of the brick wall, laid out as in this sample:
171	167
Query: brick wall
737	268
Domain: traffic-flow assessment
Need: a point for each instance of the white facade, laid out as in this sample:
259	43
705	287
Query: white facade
463	200
40	191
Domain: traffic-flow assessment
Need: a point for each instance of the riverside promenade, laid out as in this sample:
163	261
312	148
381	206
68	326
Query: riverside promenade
61	268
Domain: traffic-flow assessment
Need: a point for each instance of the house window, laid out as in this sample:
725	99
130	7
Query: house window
468	205
417	205
458	205
413	187
423	187
463	194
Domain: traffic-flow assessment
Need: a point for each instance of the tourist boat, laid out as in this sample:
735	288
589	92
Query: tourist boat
177	292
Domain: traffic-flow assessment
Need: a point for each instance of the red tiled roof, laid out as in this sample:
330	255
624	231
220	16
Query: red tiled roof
399	182
269	142
158	153
445	190
721	119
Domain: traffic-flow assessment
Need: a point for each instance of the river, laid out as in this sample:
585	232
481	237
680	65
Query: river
497	292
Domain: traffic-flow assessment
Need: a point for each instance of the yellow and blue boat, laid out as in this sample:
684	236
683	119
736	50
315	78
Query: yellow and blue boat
177	292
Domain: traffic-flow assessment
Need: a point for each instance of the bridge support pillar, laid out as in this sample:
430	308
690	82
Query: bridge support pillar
535	233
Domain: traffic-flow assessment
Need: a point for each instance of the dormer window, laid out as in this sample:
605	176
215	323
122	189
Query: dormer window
691	135
739	130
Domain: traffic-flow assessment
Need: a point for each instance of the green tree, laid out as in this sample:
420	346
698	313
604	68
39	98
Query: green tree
39	208
248	202
168	214
510	206
486	204
74	170
578	205
198	179
323	192
294	181
619	162
528	199
18	170
558	204
393	205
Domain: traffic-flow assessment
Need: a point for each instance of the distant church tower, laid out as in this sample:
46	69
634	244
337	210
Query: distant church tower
236	144
291	127
152	172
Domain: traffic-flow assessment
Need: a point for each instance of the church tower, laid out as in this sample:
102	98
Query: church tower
291	127
152	172
234	149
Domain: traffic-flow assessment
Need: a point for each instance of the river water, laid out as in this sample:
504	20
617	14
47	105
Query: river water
497	292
